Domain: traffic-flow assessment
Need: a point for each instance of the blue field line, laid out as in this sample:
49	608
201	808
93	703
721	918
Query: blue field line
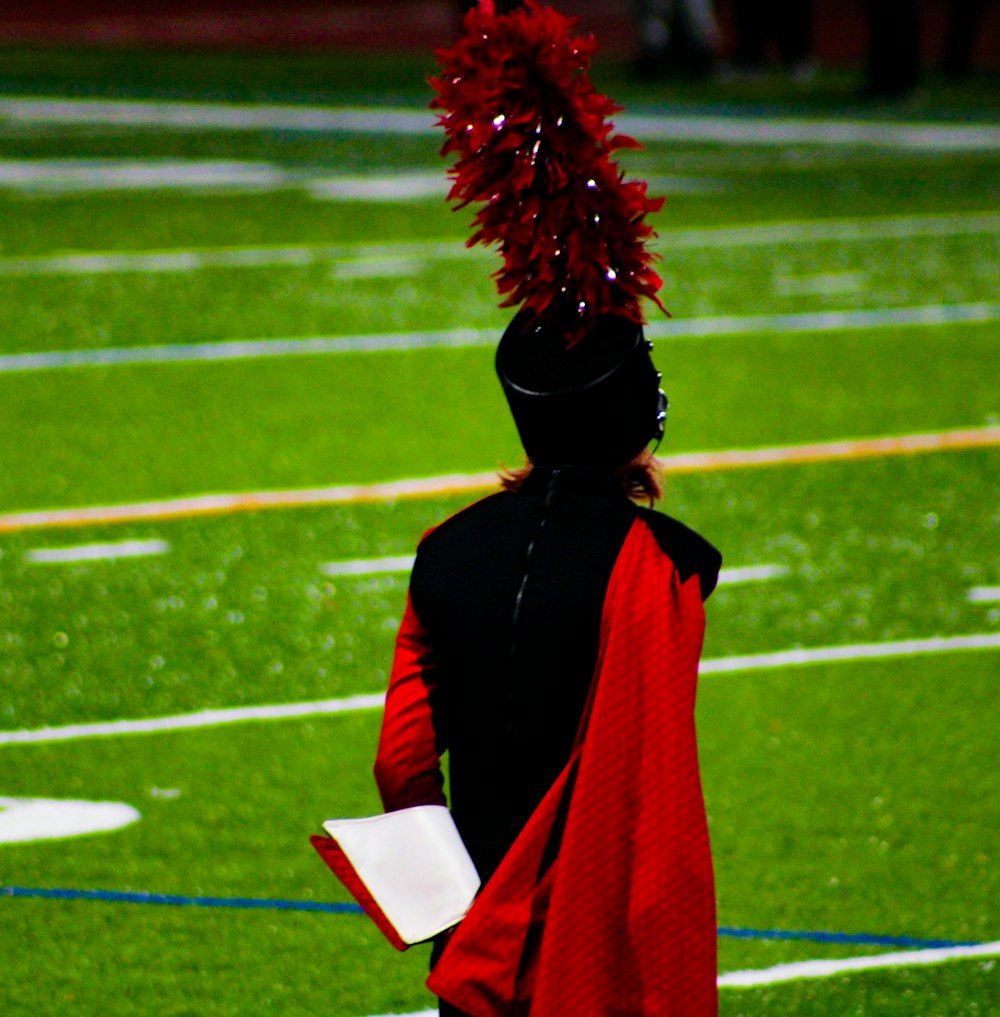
856	938
125	897
136	897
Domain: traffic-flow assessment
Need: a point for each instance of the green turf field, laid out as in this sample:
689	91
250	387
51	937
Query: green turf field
844	291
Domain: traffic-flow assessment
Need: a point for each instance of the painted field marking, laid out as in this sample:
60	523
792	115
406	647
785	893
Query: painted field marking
215	504
751	574
403	563
177	900
191	721
421	186
809	231
857	651
377	268
844	938
860	448
192	116
374	701
273	903
415	1013
678	328
198	258
381	187
729	130
394	121
728	980
61	176
827	968
251	349
96	552
822	284
454	484
825	321
30	819
984	594
368	566
675	185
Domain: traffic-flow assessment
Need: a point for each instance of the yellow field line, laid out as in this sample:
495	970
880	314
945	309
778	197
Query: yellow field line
858	448
435	487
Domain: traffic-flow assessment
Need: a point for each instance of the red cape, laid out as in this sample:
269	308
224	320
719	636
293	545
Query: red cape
620	922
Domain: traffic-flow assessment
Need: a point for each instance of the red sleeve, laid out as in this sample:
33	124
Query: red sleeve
408	764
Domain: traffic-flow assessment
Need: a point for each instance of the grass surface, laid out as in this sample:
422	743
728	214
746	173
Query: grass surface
856	797
351	295
135	433
239	610
401	78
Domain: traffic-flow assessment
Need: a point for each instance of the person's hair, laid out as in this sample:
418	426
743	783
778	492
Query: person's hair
641	478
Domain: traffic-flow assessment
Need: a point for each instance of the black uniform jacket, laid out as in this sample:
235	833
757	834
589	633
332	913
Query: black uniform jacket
499	644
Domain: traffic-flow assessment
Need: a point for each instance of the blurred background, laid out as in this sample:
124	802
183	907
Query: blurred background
891	45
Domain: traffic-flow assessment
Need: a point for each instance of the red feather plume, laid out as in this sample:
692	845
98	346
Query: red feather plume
534	144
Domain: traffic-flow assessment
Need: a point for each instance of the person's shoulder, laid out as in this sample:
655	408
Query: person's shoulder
463	541
481	513
690	552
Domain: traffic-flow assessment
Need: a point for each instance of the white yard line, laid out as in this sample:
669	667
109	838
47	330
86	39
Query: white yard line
368	566
825	321
465	483
859	651
874	228
827	968
749	130
24	820
848	965
96	552
194	116
249	349
822	284
690	184
191	721
196	259
429	185
381	187
351	704
415	1013
377	268
717	129
984	594
889	227
679	328
72	176
61	176
752	574
403	563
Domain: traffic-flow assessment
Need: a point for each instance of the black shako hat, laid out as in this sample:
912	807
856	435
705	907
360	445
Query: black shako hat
595	403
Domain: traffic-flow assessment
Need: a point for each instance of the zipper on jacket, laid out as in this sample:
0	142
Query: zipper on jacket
547	502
